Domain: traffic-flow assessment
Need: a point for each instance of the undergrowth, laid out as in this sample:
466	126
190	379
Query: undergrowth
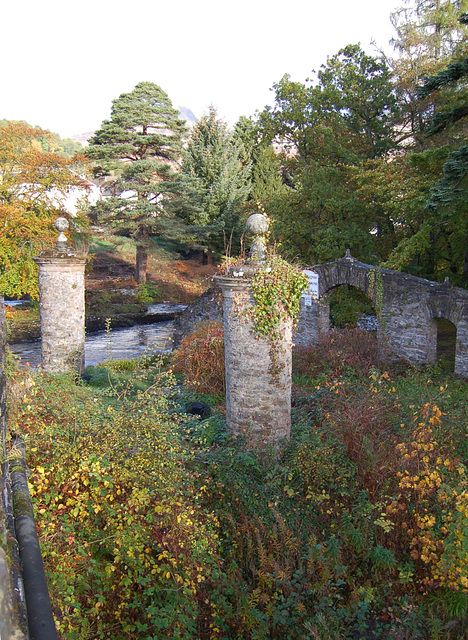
154	524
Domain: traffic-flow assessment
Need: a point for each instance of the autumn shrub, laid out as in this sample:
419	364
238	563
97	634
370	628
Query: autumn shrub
364	421
154	524
200	357
431	505
338	352
128	551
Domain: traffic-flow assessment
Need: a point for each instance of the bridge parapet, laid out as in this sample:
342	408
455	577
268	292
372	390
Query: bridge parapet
407	307
13	625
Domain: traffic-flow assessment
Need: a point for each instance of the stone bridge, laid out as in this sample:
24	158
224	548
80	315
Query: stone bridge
407	307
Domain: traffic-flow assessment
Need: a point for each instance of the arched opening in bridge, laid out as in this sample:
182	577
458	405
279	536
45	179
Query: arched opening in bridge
351	307
446	343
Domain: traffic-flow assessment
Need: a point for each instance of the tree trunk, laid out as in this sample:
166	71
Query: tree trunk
465	268
141	263
207	257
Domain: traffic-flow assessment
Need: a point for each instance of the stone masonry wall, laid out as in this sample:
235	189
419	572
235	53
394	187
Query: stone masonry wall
409	308
12	613
313	323
62	309
258	404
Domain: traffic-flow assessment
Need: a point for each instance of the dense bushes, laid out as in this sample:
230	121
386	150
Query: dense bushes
157	525
200	357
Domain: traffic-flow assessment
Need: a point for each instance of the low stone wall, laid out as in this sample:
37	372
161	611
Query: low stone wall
207	308
13	623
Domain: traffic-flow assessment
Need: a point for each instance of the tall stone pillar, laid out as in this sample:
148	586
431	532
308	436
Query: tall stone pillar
258	376
62	306
258	388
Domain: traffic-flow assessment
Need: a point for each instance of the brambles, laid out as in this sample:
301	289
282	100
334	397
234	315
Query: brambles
339	351
200	357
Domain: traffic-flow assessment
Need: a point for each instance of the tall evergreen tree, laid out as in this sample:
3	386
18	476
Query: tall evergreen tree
212	161
266	178
141	145
429	33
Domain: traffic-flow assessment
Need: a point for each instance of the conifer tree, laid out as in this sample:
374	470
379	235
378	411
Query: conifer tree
265	175
212	161
429	34
140	145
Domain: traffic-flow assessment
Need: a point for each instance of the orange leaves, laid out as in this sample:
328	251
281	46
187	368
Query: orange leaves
33	188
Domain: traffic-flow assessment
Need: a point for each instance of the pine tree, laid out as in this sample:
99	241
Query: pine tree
141	145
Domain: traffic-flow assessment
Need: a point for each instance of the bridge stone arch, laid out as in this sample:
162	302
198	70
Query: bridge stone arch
408	308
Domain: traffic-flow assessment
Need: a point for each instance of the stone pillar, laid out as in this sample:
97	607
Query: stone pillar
461	352
62	306
258	400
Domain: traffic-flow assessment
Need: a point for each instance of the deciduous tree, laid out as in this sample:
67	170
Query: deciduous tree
326	131
33	187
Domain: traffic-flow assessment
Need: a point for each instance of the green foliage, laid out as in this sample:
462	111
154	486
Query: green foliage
363	150
212	163
328	131
277	289
358	87
156	525
266	178
149	293
376	290
347	305
139	146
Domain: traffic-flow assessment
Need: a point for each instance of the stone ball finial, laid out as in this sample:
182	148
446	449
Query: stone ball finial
62	224
257	224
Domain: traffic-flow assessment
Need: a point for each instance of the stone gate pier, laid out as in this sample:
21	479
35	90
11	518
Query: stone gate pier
62	305
258	400
258	375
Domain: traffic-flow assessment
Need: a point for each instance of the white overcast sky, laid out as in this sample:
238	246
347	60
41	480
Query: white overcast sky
64	62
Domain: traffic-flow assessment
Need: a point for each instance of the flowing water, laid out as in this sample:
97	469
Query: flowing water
117	344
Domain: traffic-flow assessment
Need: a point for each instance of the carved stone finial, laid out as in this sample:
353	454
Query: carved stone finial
257	225
447	282
348	255
62	224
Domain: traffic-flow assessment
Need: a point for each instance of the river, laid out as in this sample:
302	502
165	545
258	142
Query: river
117	344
